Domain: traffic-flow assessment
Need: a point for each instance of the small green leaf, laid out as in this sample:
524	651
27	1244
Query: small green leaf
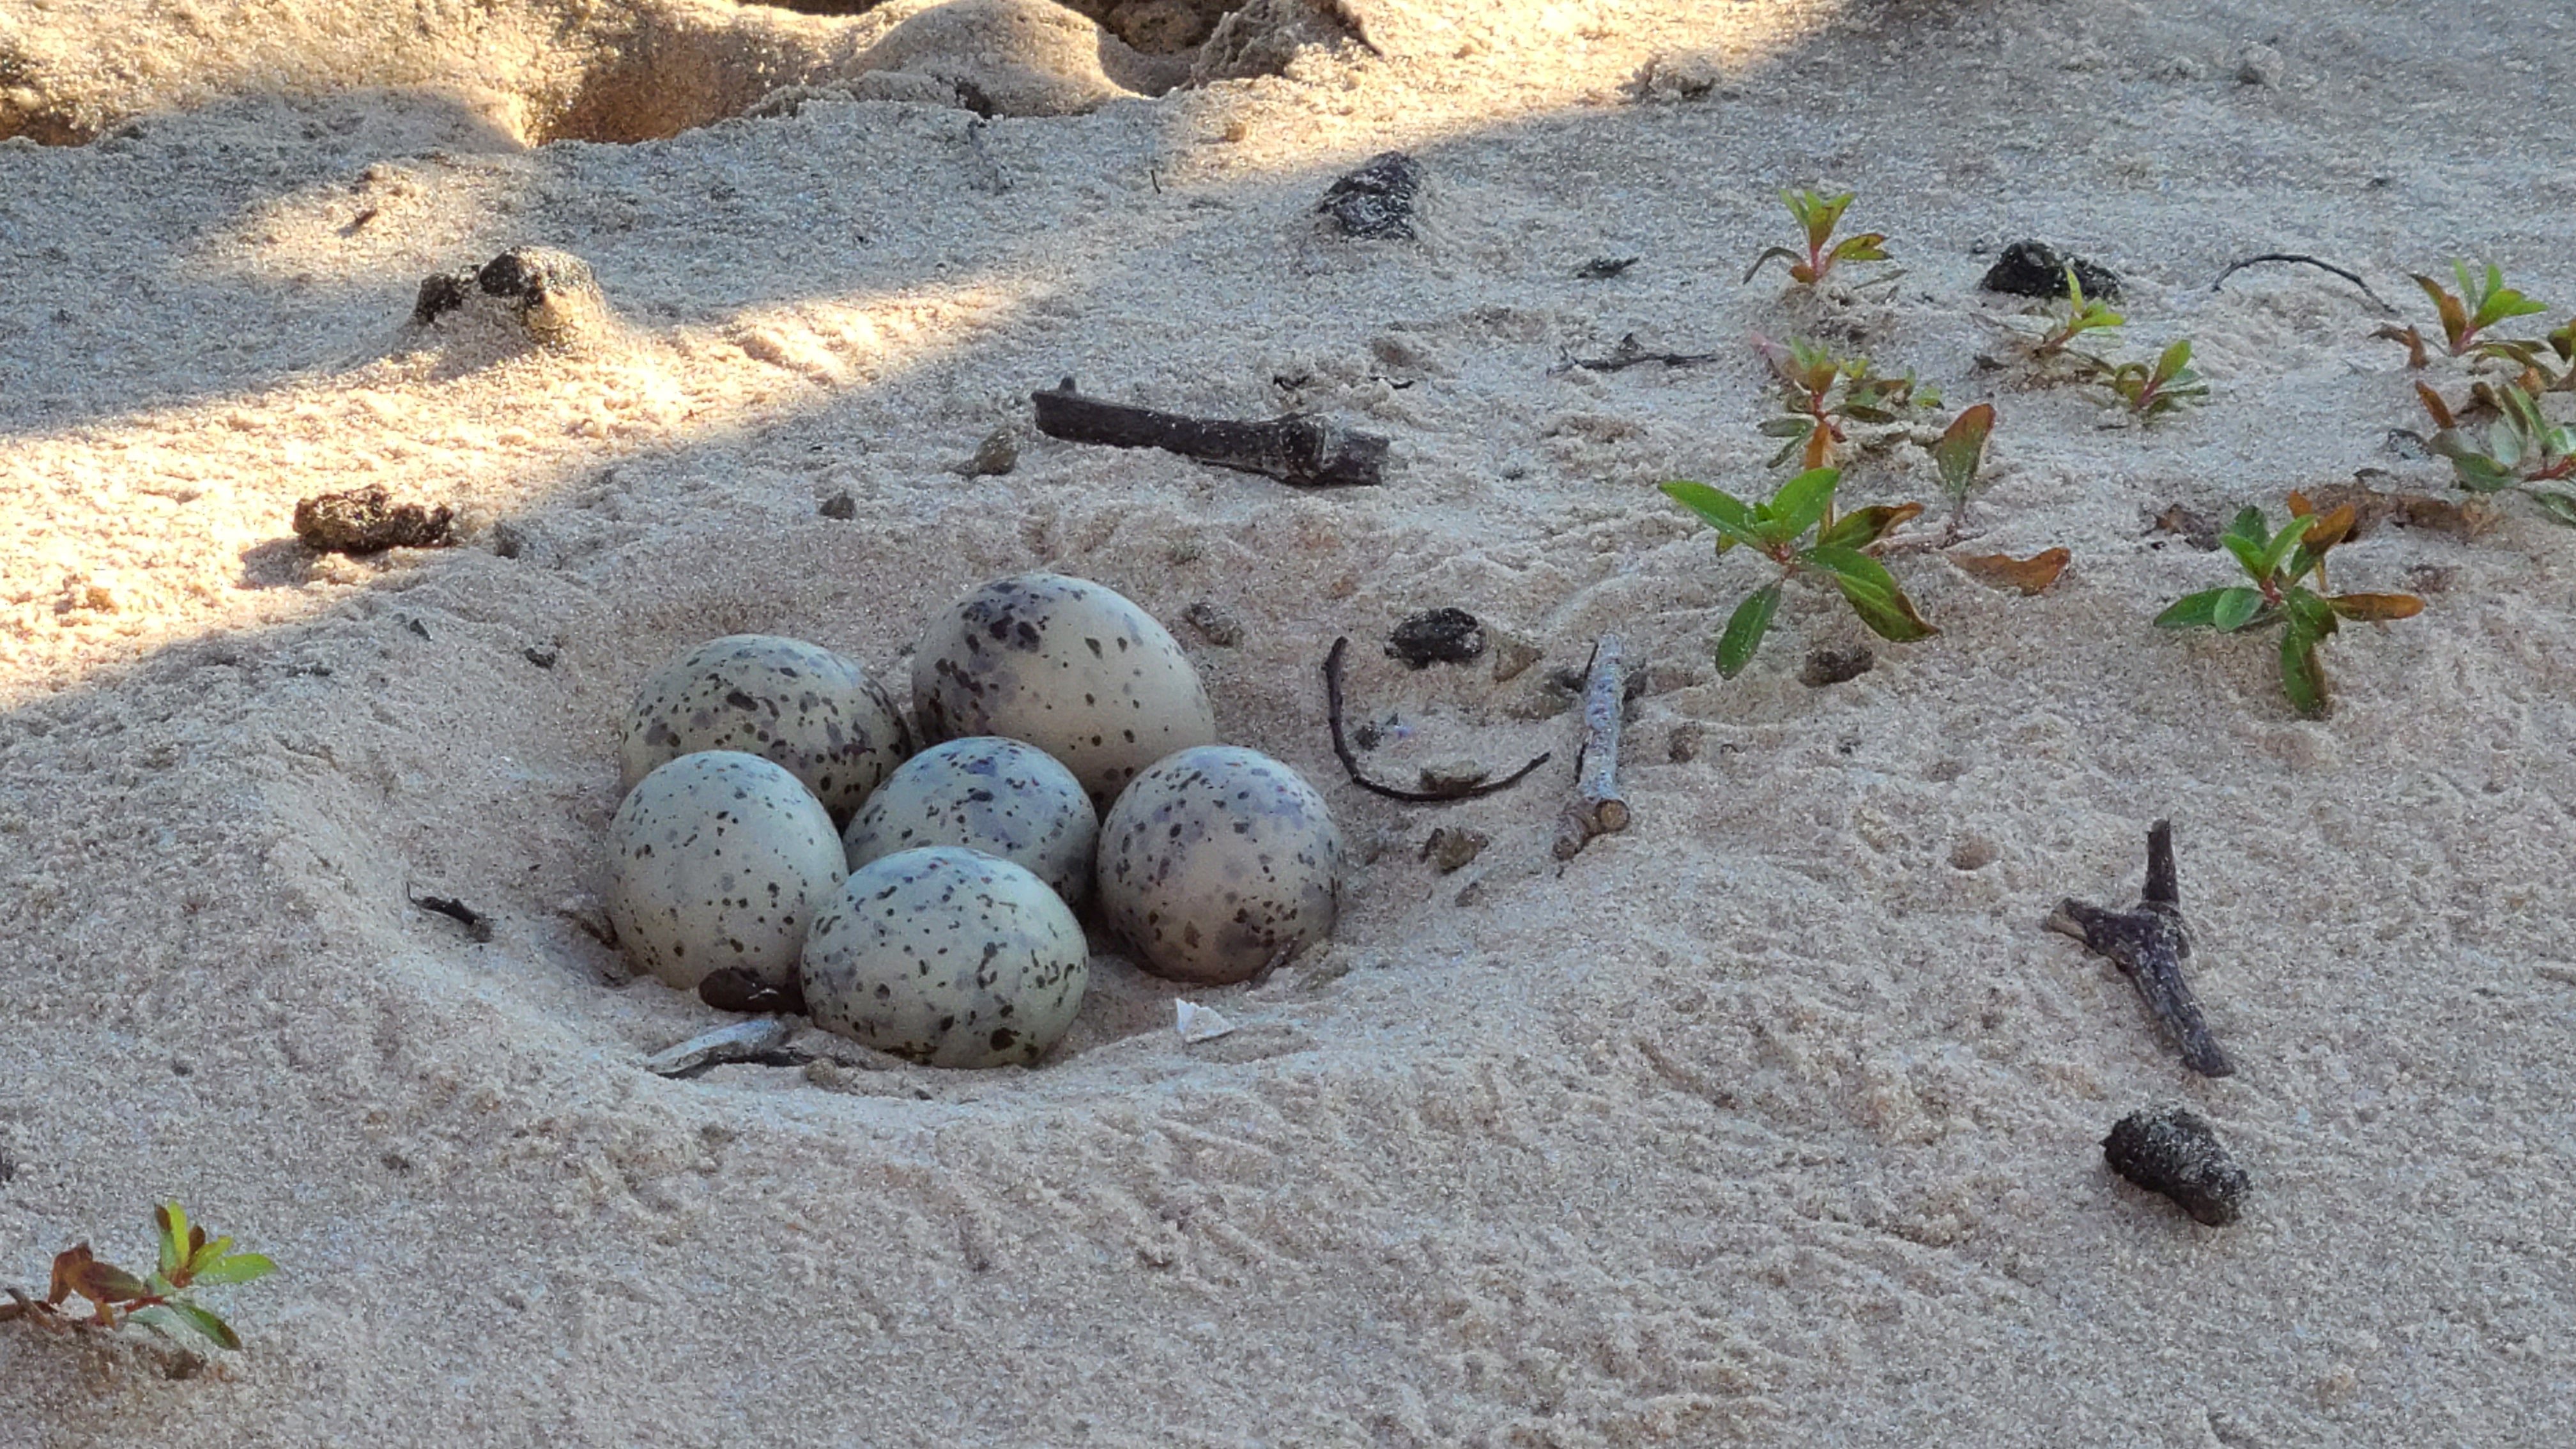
2235	608
2277	553
1865	526
2193	611
2309	614
1791	427
1745	629
178	1313
1867	247
1728	514
2302	677
2560	506
1872	592
235	1268
1782	253
2249	552
1802	502
172	1220
2174	360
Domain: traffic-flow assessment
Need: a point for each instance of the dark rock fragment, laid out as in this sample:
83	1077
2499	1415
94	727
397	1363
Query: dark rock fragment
839	506
1829	665
2171	1150
1375	202
1216	625
1442	636
2036	269
366	520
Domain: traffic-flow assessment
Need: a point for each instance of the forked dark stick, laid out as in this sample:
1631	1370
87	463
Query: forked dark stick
2353	277
1300	448
2149	943
1351	763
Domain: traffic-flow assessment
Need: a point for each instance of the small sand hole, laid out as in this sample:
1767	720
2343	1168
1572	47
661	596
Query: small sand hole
1974	852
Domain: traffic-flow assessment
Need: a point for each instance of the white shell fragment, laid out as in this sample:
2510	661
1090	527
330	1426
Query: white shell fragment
1199	1023
1067	665
717	860
986	793
738	1041
811	710
1217	862
947	956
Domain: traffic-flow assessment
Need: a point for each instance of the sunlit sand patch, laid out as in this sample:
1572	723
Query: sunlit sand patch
196	498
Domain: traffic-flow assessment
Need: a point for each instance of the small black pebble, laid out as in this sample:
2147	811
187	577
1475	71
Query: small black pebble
840	505
1443	636
734	989
1375	203
1828	665
2036	269
539	655
2171	1150
1603	268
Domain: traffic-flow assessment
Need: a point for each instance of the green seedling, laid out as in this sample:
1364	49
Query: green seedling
2523	448
2049	336
2280	565
188	1260
2083	314
2153	391
1822	391
1957	456
1778	530
2477	306
1817	217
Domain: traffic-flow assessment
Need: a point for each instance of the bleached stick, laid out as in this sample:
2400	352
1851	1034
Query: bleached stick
1597	807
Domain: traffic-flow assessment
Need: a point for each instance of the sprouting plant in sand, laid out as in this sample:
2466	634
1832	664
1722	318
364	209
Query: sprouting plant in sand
2049	337
2280	566
2466	314
2151	390
1958	456
1817	217
189	1260
2523	448
1778	530
1820	392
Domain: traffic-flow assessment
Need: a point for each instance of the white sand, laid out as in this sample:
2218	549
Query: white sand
1774	1120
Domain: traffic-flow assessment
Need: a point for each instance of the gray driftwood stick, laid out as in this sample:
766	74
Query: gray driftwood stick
1597	807
1299	448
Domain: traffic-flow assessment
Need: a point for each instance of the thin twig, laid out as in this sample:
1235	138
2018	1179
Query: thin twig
1351	763
1597	807
2353	277
1299	448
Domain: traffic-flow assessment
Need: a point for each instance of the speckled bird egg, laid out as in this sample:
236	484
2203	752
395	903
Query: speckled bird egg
999	796
947	956
1217	861
800	704
719	859
1067	665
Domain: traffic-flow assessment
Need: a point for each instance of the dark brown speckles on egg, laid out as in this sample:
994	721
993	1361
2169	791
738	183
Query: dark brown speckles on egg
1217	861
801	705
1073	667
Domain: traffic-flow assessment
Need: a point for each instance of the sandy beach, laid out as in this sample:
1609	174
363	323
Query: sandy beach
1774	1119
